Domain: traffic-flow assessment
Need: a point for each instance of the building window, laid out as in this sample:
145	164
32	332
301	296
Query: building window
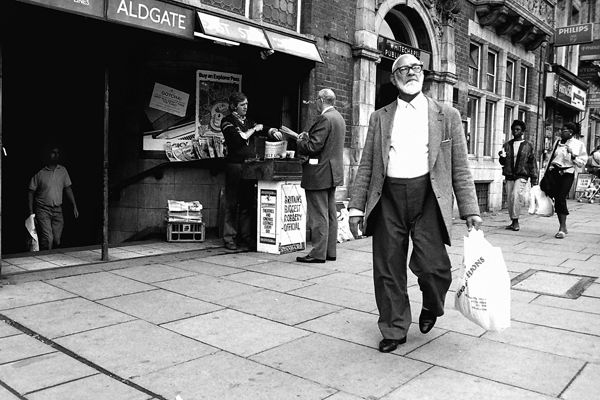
471	132
523	84
235	6
488	129
474	63
521	115
281	12
491	71
508	120
510	77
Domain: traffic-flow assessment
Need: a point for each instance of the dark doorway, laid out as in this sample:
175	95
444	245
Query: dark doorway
53	72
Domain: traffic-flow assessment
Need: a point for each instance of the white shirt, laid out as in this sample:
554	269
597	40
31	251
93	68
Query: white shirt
516	145
325	109
409	145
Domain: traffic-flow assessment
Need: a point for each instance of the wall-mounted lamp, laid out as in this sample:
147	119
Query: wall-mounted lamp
223	42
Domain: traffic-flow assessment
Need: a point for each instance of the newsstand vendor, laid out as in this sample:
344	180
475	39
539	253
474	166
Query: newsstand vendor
240	198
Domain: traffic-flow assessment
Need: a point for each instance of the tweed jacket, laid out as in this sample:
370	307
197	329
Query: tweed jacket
448	165
520	165
325	145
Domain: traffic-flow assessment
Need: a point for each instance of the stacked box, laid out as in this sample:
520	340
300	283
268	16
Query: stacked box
185	232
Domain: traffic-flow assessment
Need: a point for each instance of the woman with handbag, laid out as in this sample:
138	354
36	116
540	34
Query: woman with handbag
567	153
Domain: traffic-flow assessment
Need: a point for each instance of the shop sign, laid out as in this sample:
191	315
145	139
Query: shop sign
565	91
153	15
588	72
590	52
574	34
594	100
93	8
392	49
233	30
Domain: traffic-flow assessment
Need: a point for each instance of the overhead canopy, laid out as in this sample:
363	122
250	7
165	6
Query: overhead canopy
235	32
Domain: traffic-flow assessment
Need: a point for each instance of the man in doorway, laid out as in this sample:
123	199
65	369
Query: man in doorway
46	196
518	166
413	164
321	173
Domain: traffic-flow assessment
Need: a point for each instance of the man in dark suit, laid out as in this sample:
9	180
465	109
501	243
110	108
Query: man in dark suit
413	163
321	173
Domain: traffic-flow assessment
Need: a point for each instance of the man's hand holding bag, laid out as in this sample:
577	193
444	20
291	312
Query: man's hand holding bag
483	293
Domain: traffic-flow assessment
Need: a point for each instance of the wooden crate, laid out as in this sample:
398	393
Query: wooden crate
185	232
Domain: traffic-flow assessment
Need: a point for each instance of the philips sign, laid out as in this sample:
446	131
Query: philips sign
574	34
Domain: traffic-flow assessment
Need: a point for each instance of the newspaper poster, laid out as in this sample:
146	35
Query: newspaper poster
213	89
169	100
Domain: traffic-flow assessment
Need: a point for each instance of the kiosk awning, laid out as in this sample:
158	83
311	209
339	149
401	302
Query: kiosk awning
294	46
233	32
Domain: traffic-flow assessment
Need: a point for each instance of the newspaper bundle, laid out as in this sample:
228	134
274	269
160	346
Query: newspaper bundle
184	211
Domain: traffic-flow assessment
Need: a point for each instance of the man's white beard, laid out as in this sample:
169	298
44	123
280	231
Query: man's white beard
412	87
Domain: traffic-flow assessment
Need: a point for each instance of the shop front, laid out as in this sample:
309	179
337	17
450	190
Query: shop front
134	92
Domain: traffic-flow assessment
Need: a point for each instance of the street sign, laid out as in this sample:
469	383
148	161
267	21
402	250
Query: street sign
590	52
574	34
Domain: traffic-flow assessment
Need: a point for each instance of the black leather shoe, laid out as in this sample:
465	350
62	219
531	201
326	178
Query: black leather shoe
426	321
309	259
388	345
330	258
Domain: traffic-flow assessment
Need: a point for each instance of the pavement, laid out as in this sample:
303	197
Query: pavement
207	323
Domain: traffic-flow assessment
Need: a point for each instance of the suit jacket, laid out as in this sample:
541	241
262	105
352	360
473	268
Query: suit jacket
326	144
448	165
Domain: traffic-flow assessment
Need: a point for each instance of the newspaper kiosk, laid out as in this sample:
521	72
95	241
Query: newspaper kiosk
281	216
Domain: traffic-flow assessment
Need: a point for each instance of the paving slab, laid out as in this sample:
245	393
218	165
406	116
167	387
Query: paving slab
134	348
7	330
19	347
457	385
152	273
65	317
279	307
43	371
207	288
583	303
575	321
225	376
159	306
586	385
338	296
515	366
550	340
201	267
359	283
28	293
297	271
96	387
236	332
349	367
592	291
7	395
266	281
236	260
99	285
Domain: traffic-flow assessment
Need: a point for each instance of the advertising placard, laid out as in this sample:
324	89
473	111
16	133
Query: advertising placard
583	182
574	34
169	100
213	89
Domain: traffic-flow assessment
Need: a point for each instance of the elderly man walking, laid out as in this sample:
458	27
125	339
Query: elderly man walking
413	164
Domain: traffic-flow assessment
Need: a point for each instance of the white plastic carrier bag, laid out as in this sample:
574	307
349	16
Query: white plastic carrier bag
483	293
539	203
32	239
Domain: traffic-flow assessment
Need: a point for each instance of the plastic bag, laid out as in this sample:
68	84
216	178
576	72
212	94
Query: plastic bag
539	203
483	294
32	240
343	234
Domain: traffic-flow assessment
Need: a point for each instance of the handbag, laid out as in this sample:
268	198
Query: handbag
483	294
547	183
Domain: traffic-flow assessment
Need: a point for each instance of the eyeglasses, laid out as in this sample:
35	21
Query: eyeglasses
417	68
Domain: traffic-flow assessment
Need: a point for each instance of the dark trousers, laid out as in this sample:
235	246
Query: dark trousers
240	207
49	223
408	209
322	216
562	186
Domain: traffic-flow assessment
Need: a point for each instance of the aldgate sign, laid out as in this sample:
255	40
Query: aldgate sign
148	14
574	34
153	15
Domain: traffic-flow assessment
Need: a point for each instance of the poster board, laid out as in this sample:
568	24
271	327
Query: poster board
213	89
583	182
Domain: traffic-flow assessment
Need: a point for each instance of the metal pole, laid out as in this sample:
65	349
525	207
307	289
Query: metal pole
105	171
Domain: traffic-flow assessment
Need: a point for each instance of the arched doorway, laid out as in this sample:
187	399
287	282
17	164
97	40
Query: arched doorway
401	31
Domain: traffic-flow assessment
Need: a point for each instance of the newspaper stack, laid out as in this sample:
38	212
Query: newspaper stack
184	211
